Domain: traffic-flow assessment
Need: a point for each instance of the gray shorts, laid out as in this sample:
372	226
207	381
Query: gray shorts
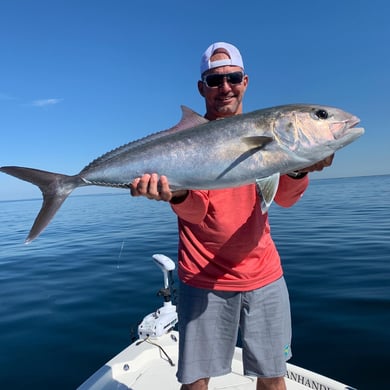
208	327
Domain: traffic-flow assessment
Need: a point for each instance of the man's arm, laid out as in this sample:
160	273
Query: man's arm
292	187
319	166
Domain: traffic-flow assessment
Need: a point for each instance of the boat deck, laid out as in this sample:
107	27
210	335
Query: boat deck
151	364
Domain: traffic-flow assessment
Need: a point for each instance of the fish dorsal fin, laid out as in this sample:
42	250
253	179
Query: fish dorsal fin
257	141
267	188
189	119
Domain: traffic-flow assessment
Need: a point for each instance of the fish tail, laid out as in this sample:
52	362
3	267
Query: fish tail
55	189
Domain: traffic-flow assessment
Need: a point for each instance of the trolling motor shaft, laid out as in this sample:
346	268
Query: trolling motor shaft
165	318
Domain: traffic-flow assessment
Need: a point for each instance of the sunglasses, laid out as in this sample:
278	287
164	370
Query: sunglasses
217	79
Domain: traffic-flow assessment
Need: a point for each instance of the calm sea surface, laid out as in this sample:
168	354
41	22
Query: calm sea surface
70	299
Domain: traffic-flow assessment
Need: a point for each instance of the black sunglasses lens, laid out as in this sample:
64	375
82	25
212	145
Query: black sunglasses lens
235	78
215	80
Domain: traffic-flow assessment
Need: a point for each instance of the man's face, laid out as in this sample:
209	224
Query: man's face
225	99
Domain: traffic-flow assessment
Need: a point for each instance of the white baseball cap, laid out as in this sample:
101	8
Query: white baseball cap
234	54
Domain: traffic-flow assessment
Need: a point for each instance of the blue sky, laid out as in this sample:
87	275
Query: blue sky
79	78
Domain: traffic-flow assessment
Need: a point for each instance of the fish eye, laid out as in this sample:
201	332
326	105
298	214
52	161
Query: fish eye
321	114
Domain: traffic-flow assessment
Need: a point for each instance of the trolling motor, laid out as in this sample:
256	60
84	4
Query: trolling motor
165	318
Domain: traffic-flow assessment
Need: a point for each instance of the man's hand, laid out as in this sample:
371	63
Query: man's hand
319	166
153	187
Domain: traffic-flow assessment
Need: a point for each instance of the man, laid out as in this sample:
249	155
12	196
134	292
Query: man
230	271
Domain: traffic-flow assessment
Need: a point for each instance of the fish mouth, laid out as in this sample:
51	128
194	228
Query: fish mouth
347	128
352	122
348	134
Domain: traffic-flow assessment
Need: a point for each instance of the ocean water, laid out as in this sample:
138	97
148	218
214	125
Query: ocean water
72	299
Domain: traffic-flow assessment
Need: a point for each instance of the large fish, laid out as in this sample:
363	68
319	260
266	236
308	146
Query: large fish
198	154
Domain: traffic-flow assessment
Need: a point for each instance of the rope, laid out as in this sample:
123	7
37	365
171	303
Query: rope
170	361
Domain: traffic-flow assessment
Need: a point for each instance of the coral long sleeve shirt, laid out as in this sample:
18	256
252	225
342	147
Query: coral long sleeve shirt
224	239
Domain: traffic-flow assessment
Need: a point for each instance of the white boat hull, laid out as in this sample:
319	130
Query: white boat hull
144	366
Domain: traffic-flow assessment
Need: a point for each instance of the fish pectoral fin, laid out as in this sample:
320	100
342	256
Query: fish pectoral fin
254	144
257	141
267	188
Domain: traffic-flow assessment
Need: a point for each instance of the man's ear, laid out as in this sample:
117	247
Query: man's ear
201	87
